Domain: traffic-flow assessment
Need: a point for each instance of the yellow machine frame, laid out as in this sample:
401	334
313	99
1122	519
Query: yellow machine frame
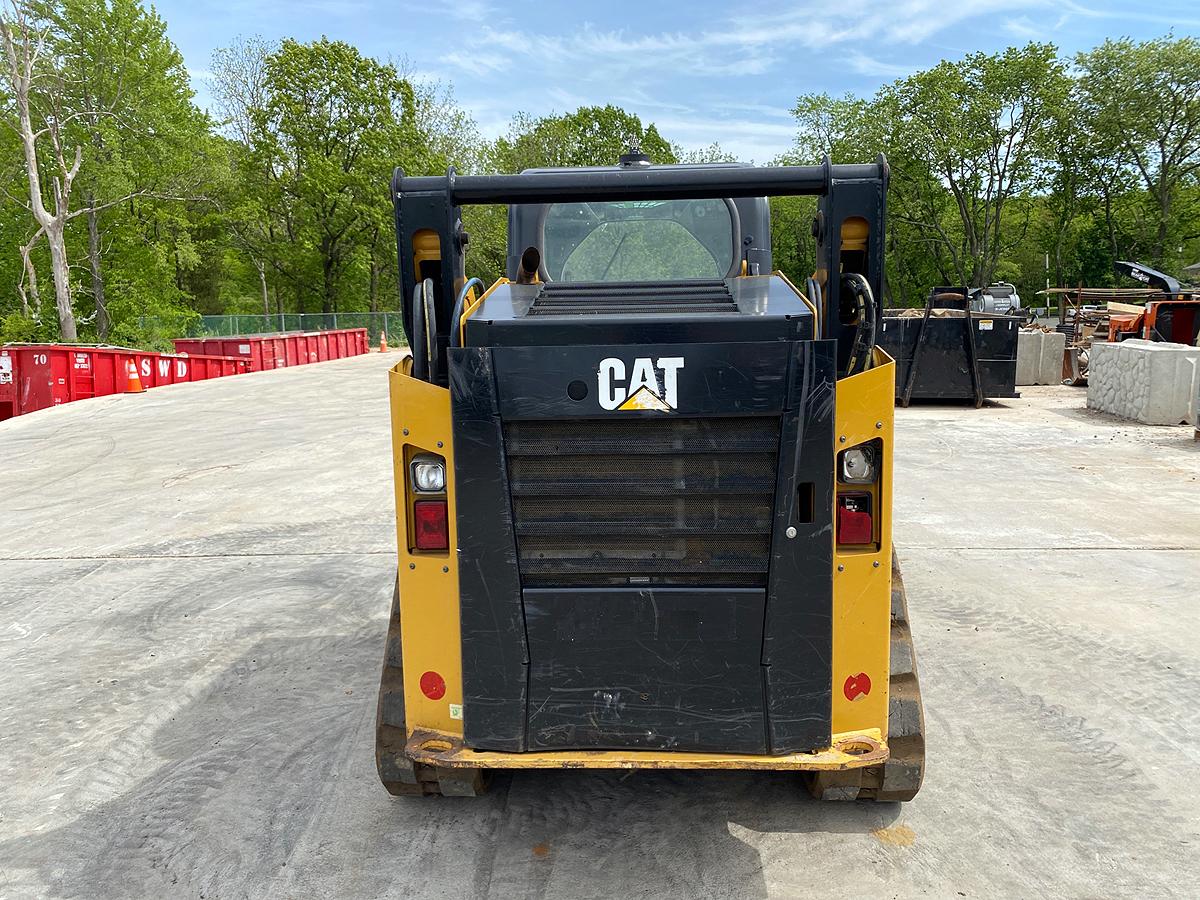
429	605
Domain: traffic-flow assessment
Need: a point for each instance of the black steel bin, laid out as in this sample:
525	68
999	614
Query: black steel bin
957	354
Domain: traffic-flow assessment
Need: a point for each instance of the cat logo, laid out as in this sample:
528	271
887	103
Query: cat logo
644	390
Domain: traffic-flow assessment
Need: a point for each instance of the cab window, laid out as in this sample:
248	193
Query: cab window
657	240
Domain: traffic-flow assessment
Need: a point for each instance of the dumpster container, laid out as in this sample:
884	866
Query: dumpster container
949	353
278	351
38	376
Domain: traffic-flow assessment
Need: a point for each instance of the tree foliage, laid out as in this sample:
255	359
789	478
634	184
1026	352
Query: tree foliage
1142	102
1002	162
1018	165
332	124
589	136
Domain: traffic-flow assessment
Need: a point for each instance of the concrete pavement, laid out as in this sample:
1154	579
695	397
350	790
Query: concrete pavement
194	586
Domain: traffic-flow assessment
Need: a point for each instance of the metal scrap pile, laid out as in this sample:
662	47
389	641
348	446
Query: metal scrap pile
1083	316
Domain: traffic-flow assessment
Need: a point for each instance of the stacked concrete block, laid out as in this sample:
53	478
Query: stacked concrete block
1194	403
1040	357
1152	383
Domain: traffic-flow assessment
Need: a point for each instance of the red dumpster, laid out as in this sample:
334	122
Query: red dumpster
276	351
38	376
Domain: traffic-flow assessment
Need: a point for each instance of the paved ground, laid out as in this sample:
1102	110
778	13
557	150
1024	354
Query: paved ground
194	585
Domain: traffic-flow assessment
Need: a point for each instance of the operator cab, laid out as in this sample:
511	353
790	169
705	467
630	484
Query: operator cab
688	269
643	240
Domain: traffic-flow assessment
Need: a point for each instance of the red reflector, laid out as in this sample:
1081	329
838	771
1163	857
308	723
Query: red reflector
429	519
854	524
857	686
433	685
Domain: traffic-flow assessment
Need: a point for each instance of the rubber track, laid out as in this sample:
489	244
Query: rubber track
398	773
900	777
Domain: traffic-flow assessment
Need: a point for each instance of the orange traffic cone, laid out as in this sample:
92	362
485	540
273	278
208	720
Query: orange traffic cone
133	384
383	342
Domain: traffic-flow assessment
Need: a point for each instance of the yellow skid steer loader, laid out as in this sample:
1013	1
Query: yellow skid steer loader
644	486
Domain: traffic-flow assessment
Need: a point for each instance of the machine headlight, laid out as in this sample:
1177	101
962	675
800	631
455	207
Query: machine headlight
859	465
428	475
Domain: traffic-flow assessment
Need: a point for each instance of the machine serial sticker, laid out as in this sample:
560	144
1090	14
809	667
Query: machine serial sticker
456	710
985	324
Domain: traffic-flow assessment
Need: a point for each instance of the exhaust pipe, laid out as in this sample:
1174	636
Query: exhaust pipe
531	261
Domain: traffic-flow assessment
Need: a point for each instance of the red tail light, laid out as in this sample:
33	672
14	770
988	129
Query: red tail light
429	520
854	522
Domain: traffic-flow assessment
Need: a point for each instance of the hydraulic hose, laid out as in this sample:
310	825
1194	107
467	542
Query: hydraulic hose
864	335
459	304
420	340
818	302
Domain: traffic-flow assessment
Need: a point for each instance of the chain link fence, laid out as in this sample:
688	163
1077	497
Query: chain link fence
377	324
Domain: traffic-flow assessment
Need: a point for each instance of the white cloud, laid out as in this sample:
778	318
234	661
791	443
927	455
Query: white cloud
1022	27
463	10
876	68
1140	16
765	111
337	8
738	47
749	140
687	79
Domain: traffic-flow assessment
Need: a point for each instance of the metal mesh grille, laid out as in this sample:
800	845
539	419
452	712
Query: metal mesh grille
651	297
643	501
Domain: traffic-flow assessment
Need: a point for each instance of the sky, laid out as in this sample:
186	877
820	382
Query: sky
701	71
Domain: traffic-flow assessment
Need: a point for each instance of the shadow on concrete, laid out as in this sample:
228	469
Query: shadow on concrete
653	834
963	405
263	782
1095	417
1180	436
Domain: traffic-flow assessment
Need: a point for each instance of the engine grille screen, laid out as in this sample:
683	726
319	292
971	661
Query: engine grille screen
647	298
669	501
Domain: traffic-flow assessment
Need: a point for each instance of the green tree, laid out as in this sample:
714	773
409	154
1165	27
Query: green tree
964	139
589	136
830	126
34	85
1142	103
713	153
240	90
982	127
143	138
827	126
849	129
109	141
332	125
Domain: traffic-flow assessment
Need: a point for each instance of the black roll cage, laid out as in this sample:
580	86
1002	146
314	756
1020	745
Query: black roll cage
430	206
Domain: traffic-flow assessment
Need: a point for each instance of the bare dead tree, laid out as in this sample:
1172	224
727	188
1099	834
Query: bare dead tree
27	287
240	91
24	38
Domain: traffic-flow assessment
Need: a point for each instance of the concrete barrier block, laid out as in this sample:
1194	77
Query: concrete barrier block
1053	347
1029	356
1104	379
1194	393
1146	381
1039	357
